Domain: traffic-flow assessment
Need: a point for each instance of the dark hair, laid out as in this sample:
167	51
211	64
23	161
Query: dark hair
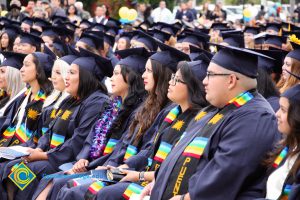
10	45
88	84
41	77
265	85
72	5
293	138
135	96
155	101
195	86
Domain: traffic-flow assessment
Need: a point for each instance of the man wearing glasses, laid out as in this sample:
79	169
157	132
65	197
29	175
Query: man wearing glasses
221	155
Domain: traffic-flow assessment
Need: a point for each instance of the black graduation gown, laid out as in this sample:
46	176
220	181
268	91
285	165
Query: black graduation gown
116	157
230	166
80	122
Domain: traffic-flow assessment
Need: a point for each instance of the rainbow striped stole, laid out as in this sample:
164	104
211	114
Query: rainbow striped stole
172	115
280	157
130	151
22	133
56	140
80	181
110	146
40	96
286	191
241	99
9	132
162	152
133	188
93	189
196	148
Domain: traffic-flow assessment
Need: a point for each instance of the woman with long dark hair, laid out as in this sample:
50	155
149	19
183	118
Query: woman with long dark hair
283	182
187	92
127	94
23	113
159	68
68	131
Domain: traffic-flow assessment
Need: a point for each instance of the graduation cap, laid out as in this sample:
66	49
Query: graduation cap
109	39
30	39
111	22
35	32
41	22
13	59
60	46
168	28
274	40
134	58
69	58
56	19
199	68
72	51
236	59
274	62
49	52
46	61
145	24
51	31
235	40
273	26
126	35
296	50
251	29
160	35
5	20
11	30
288	33
95	64
195	38
146	39
202	30
106	29
219	26
195	53
86	23
178	24
70	25
28	20
91	39
169	56
293	93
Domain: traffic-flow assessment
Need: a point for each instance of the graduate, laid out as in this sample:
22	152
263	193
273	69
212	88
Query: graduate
10	79
29	43
249	33
140	133
185	90
291	67
8	36
283	182
127	95
23	113
70	128
217	151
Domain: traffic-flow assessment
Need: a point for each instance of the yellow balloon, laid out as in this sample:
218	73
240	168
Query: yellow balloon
123	12
132	15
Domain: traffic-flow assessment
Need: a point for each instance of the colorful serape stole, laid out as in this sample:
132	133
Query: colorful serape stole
56	140
241	99
110	146
130	151
286	191
196	148
280	157
9	132
133	188
172	115
80	181
93	189
22	134
162	152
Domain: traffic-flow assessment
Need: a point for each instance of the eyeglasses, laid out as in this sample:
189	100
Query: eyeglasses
208	74
175	80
